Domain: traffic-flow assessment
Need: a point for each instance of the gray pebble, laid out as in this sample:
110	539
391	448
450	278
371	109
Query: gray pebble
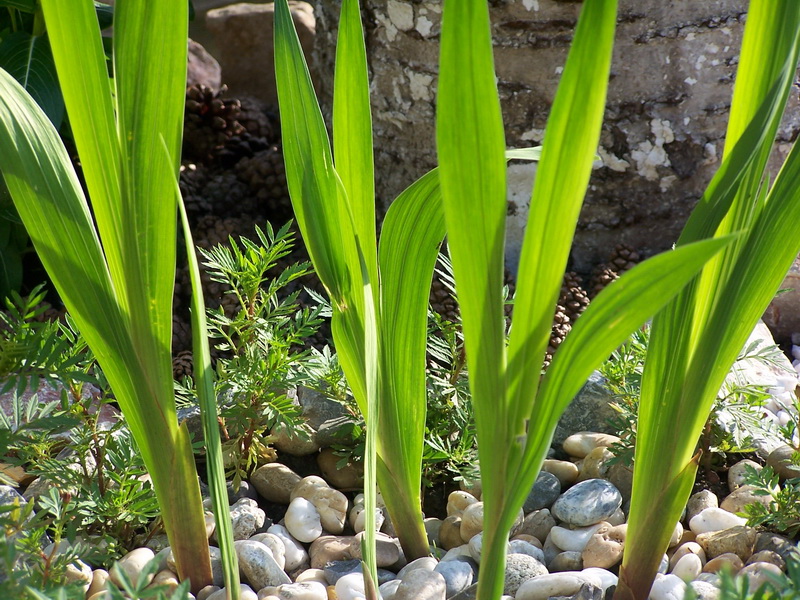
566	561
520	568
421	584
546	489
458	574
258	566
337	569
587	503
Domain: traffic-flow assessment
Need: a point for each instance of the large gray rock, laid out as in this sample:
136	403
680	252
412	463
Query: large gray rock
243	34
202	68
589	411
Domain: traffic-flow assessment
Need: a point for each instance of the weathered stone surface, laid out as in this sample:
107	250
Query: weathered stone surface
243	35
202	67
671	81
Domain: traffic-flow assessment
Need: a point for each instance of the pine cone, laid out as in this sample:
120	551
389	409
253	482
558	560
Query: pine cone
265	173
209	121
182	365
256	118
193	181
227	195
239	147
623	258
181	334
602	275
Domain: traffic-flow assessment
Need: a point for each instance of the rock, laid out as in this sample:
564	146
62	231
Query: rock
350	587
332	508
475	546
132	564
243	33
421	584
741	497
549	586
736	474
688	567
699	502
205	593
79	573
574	540
274	482
387	549
307	486
245	593
550	550
246	518
246	490
450	533
471	593
601	578
604	549
426	563
780	459
432	528
389	589
728	560
308	575
275	545
458	574
683	550
587	503
714	519
668	587
582	443
202	68
566	471
457	501
325	417
538	524
546	489
98	584
523	547
738	540
309	590
757	574
258	565
566	561
677	535
595	464
520	568
622	478
590	410
348	477
472	521
303	521
295	554
768	556
358	518
780	544
329	548
705	591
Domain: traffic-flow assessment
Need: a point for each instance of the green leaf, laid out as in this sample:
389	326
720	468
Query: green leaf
29	60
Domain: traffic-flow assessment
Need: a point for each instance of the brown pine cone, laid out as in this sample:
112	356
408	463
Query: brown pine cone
238	147
265	173
182	365
228	195
254	115
602	275
181	334
623	258
209	120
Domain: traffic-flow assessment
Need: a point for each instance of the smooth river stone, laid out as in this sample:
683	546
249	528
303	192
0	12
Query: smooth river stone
780	460
714	519
587	503
275	482
457	501
548	586
566	561
545	490
472	521
567	472
705	591
688	567
683	550
668	587
737	473
303	521
699	502
741	497
573	540
459	574
258	565
737	540
582	443
422	584
294	552
309	590
759	573
523	547
538	524
350	587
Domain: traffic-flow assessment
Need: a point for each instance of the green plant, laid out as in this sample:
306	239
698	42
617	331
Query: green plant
783	511
696	339
516	408
115	273
262	357
378	295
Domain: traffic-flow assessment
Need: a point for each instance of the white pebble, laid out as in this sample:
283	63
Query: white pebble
573	540
668	587
688	567
350	587
601	578
310	590
302	520
294	553
714	519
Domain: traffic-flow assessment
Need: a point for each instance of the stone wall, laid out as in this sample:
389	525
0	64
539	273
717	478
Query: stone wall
671	83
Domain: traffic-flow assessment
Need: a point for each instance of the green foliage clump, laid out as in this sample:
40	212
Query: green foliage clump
261	345
782	513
